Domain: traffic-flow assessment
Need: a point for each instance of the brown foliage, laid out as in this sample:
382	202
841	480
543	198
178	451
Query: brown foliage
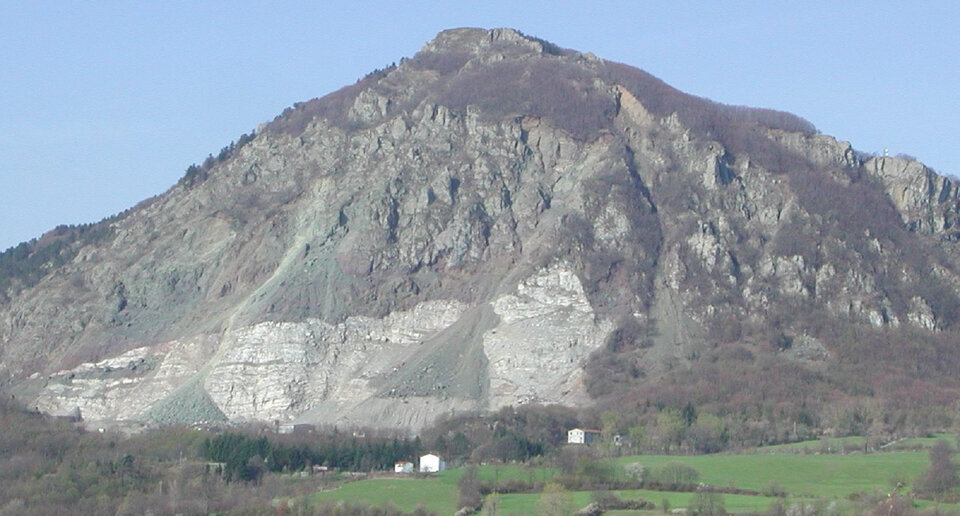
940	480
551	89
50	466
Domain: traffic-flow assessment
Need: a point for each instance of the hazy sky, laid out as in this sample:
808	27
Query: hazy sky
103	104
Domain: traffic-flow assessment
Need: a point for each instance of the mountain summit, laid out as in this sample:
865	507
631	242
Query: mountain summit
500	221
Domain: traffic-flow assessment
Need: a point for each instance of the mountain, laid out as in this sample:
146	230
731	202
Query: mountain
499	221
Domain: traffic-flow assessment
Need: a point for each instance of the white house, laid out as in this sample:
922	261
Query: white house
299	428
431	463
403	467
582	435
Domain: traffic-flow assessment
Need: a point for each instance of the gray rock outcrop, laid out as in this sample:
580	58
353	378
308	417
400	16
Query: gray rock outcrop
466	231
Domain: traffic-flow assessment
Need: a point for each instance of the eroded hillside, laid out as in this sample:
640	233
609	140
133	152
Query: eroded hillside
498	221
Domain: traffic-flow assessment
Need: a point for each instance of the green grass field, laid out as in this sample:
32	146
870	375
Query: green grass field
406	493
804	477
437	492
501	473
829	476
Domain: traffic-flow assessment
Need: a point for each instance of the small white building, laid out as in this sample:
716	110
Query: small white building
582	435
432	463
299	428
403	467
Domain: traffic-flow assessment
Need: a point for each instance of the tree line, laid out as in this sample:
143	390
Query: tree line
196	174
247	457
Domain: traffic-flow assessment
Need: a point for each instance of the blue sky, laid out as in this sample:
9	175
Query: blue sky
103	104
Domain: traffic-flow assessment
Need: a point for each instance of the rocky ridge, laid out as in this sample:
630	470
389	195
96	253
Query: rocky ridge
472	229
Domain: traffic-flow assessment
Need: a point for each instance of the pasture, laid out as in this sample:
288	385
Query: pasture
806	478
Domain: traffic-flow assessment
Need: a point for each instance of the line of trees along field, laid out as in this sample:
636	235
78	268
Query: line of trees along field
248	457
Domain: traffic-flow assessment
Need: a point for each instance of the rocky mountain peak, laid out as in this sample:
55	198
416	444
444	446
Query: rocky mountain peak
478	42
495	222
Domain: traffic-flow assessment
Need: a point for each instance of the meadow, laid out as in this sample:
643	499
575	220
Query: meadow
808	478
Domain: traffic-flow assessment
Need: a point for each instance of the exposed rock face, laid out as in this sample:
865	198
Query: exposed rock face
465	232
927	202
545	327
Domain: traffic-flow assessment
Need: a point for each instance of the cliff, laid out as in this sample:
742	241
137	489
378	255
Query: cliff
495	221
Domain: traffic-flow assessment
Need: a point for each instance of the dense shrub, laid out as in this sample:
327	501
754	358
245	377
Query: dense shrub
564	95
707	504
24	265
469	489
940	480
674	475
512	433
334	450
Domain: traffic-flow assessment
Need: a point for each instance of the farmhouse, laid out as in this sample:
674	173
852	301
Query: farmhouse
299	428
432	463
582	435
403	467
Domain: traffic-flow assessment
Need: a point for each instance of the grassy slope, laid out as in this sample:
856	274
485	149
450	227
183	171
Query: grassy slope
826	476
405	493
437	492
